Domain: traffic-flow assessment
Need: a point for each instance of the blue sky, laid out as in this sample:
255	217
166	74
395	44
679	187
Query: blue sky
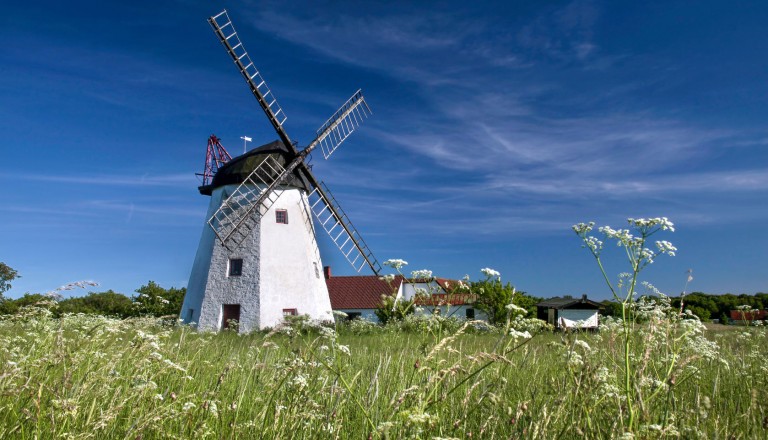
495	127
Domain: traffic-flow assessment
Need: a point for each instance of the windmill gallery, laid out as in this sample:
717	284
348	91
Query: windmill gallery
258	260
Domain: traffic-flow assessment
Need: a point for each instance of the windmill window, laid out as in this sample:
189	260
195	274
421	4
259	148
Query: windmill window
470	313
235	267
290	312
317	271
281	216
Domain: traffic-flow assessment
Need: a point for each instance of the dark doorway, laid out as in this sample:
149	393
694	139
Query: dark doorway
230	316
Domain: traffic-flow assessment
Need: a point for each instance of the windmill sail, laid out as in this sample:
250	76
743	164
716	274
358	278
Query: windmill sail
256	190
338	226
339	126
225	30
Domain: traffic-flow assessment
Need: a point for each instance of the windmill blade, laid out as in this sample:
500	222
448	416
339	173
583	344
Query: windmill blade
338	226
339	126
225	30
257	190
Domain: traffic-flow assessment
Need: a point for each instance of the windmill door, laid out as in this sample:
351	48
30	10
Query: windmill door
230	316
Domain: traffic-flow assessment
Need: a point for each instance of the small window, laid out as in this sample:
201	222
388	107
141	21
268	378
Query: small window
317	271
290	312
190	315
281	216
235	267
470	313
353	315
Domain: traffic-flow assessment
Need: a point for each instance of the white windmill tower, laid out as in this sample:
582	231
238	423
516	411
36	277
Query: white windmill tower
258	260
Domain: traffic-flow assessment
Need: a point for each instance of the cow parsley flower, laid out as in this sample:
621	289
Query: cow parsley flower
396	263
490	273
422	274
666	247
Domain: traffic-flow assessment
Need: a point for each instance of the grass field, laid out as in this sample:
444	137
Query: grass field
94	377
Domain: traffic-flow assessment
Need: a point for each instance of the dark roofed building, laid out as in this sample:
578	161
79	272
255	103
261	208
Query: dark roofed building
569	312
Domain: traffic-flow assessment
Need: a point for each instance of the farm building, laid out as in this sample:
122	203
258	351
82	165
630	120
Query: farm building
565	313
359	296
749	315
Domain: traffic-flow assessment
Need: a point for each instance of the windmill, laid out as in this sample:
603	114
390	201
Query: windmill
258	260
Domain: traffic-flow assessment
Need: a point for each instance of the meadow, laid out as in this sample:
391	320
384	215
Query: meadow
85	376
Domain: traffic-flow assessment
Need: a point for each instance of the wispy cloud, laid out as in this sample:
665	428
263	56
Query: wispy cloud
173	180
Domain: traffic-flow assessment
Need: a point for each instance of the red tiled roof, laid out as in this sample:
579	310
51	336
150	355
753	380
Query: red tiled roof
364	292
359	292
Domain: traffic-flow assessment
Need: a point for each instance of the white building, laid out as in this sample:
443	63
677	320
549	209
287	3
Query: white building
359	296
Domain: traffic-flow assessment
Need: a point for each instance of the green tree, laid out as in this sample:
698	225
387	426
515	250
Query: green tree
157	301
7	274
107	303
493	298
393	309
11	306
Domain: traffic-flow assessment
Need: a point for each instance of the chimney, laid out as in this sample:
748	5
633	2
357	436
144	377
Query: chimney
327	272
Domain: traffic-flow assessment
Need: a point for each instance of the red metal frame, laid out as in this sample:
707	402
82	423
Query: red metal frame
215	156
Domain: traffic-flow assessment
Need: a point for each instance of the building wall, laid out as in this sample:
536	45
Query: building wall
279	263
291	269
583	318
367	314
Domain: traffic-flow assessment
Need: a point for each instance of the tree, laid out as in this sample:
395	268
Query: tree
107	303
157	301
12	306
7	274
493	298
393	309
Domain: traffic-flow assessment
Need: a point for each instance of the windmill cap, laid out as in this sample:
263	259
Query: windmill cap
238	169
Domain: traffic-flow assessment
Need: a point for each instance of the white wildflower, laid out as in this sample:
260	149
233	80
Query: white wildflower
666	247
189	406
512	307
344	349
396	263
515	334
422	274
490	273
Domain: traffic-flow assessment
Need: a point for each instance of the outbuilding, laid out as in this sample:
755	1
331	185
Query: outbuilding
569	313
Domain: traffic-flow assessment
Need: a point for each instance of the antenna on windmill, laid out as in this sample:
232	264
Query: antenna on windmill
245	139
258	191
215	156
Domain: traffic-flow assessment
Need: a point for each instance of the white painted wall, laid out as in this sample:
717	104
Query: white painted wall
573	318
367	314
291	269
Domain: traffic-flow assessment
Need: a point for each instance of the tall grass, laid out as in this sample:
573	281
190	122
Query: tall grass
93	377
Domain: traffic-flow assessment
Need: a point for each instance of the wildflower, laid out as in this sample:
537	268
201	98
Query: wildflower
189	406
422	274
158	397
666	247
583	345
340	314
518	334
490	273
344	349
396	263
512	307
